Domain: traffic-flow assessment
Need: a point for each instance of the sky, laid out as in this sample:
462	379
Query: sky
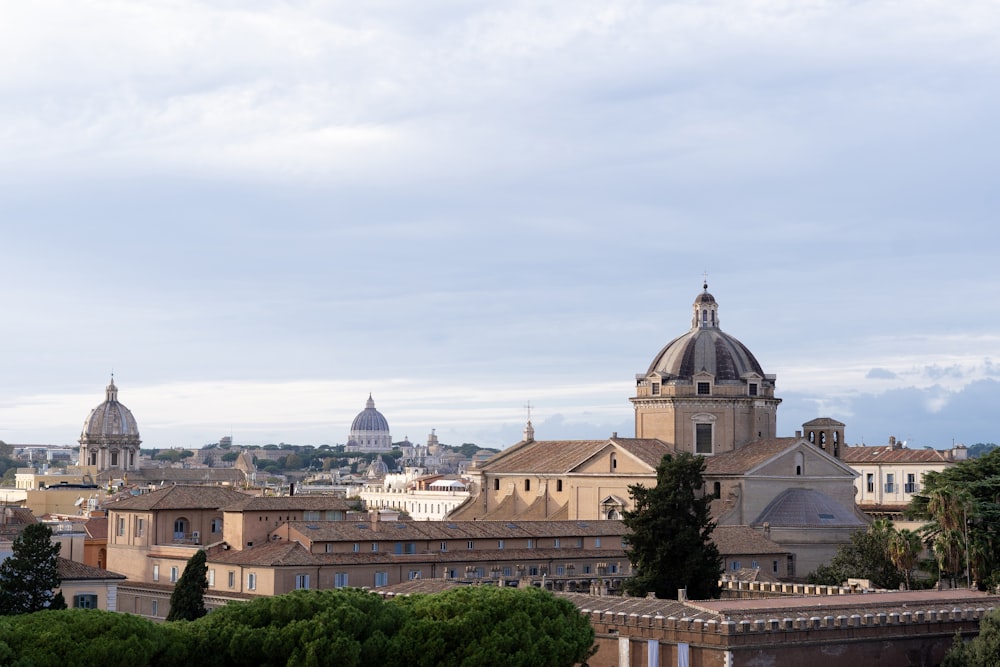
256	213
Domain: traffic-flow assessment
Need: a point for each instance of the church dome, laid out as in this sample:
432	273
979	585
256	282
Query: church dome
705	348
369	431
110	420
370	419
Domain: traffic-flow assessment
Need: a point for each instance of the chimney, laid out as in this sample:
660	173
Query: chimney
798	434
614	434
892	442
682	595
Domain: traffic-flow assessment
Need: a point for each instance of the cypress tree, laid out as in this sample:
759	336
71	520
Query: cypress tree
188	599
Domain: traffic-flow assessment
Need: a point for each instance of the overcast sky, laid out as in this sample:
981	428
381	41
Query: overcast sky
255	213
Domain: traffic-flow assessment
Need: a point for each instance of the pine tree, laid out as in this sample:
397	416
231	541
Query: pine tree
188	600
29	576
670	544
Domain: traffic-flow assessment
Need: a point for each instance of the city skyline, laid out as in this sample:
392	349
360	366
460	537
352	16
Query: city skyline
256	216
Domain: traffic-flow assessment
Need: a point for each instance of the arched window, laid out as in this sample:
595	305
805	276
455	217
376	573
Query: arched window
800	463
614	462
717	490
613	514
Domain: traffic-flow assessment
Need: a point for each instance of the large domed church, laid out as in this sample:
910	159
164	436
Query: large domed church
110	437
369	431
704	393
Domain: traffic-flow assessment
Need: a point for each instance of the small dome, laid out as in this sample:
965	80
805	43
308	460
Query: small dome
110	420
377	468
369	420
705	348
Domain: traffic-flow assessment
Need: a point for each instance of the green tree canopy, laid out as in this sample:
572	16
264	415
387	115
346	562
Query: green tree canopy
982	650
867	556
670	543
188	599
962	507
29	576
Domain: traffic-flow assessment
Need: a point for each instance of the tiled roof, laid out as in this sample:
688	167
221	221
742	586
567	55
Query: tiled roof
640	606
743	541
270	554
290	503
180	497
889	454
350	531
71	570
97	528
748	457
561	456
178	475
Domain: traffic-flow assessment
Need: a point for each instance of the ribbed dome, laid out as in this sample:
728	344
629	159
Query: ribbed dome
110	419
369	420
705	348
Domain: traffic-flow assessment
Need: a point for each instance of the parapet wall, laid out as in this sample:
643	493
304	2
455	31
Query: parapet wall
762	589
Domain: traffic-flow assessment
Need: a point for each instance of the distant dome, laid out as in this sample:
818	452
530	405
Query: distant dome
377	468
705	348
370	431
110	437
110	419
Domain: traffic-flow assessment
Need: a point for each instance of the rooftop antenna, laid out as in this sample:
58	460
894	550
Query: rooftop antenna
528	408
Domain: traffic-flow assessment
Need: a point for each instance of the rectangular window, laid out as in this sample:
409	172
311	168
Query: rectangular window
557	543
597	543
911	483
251	582
586	569
121	526
752	389
301	581
444	546
702	438
340	580
774	566
614	568
559	485
232	579
140	527
328	547
579	543
413	574
374	547
85	601
356	548
735	565
870	480
499	544
704	388
890	483
211	578
311	515
531	543
527	485
533	571
156	572
560	570
381	578
173	575
469	545
506	571
496	484
155	608
755	565
655	389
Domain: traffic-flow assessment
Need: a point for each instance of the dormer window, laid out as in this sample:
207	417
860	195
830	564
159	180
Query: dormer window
752	389
655	389
704	389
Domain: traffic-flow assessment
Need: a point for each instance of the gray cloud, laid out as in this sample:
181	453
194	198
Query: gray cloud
881	374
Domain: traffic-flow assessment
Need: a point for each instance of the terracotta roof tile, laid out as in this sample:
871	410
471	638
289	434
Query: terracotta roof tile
743	541
71	570
748	457
97	528
562	456
180	497
290	503
889	454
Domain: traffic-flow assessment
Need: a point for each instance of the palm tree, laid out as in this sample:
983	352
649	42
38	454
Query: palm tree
904	550
948	530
